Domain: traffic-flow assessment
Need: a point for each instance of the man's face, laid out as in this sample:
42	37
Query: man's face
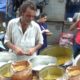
29	15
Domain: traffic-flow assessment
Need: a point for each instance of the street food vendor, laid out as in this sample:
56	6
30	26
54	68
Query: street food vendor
23	35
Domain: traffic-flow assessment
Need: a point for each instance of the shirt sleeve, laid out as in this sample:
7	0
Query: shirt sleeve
8	33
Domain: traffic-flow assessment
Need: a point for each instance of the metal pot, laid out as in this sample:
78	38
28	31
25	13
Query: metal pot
5	73
76	61
52	72
40	61
19	70
22	70
63	54
7	56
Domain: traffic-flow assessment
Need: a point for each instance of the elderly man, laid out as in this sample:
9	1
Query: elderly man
23	35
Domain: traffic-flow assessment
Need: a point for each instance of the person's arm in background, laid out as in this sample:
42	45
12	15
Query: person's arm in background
46	30
75	21
73	26
48	33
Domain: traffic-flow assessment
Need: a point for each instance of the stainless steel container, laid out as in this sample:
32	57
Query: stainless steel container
19	70
63	54
52	73
41	61
5	73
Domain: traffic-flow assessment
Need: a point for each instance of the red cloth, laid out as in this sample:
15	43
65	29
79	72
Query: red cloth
78	25
77	38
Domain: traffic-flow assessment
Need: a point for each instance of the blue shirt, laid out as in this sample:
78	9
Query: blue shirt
43	26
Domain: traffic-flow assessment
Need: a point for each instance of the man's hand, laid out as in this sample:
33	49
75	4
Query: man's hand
31	51
46	30
19	51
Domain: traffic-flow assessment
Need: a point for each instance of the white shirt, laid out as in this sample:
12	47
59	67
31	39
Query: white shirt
29	39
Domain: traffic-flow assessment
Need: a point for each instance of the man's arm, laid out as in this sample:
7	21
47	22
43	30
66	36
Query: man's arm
16	49
34	49
8	39
73	26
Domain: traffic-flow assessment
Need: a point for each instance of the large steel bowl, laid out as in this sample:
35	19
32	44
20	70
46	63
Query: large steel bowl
5	73
76	61
52	73
7	56
19	70
41	61
63	54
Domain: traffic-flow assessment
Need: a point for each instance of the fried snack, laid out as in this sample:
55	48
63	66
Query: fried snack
75	78
73	71
19	66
